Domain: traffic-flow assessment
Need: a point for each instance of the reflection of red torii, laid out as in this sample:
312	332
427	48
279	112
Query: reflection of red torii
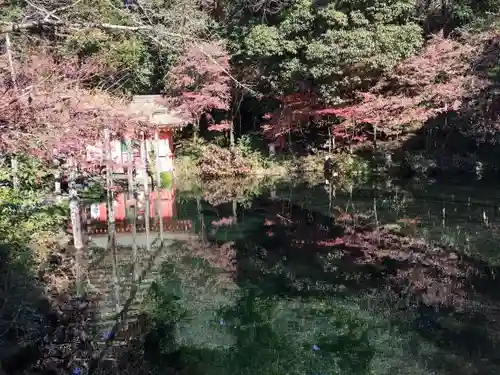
124	226
97	217
167	206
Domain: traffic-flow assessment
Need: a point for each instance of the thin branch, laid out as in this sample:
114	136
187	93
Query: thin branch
32	25
8	47
52	13
192	39
211	58
43	10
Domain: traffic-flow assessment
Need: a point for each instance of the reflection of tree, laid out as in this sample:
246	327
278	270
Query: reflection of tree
305	257
311	254
261	292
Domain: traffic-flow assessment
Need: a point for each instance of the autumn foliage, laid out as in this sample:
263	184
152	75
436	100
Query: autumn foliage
295	111
200	82
442	78
438	80
49	110
222	162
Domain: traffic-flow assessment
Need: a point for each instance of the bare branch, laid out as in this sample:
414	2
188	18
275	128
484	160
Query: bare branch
11	27
225	71
60	9
42	10
32	25
11	61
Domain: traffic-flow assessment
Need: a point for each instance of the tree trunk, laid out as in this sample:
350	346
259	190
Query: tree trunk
145	180
272	149
196	132
57	178
231	135
158	212
331	145
15	172
235	210
273	192
157	158
158	185
116	281
74	206
144	164
147	223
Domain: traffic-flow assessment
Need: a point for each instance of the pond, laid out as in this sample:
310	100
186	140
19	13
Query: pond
373	279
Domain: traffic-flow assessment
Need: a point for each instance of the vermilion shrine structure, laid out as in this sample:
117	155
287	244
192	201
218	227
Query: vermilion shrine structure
159	139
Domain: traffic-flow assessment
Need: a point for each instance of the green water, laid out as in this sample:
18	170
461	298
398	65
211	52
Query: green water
265	290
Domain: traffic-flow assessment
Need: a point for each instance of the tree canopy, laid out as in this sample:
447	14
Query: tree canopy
205	55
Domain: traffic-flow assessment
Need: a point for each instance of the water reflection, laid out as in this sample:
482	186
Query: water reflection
297	280
153	215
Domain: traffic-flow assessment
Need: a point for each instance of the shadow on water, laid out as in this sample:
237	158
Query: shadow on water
301	281
21	310
298	280
26	315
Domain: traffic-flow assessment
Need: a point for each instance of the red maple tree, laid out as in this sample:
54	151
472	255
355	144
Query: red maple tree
49	111
439	79
200	83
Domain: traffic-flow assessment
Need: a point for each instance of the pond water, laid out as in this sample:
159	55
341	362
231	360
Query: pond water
374	279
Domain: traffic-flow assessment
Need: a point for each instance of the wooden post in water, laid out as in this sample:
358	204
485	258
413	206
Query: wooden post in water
76	222
144	161
133	199
109	192
235	210
201	219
